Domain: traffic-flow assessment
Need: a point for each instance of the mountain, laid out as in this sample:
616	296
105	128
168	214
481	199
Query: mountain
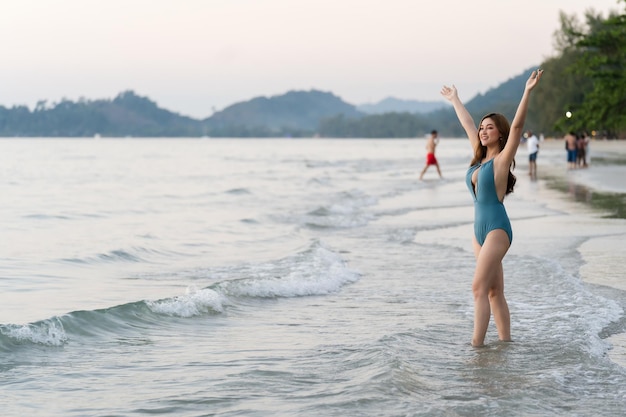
282	114
126	115
395	105
141	115
504	98
295	113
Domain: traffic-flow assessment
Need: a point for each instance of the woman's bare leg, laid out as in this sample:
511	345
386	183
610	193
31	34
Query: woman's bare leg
500	308
488	287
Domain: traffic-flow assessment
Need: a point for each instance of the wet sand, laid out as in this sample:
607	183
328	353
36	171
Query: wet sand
595	194
606	164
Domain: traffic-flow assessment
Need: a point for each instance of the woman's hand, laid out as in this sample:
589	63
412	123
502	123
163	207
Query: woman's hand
449	92
533	80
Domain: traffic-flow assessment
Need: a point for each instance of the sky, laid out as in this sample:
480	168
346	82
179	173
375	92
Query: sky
195	57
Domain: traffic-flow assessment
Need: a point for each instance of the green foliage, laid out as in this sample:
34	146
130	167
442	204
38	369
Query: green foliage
503	99
126	115
388	125
586	78
598	59
560	91
292	112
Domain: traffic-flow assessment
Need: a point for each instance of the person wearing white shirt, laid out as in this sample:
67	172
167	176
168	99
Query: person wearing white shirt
532	143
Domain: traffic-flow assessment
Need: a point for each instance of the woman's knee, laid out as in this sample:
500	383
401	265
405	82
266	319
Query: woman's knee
495	292
480	289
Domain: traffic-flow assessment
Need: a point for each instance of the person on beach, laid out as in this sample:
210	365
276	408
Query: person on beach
532	144
571	148
581	148
431	144
489	179
587	154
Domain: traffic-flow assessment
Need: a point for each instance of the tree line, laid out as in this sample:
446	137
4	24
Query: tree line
584	86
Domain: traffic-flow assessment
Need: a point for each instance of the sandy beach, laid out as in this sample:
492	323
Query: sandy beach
607	158
590	194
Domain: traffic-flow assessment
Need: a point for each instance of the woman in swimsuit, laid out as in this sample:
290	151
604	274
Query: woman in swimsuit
489	179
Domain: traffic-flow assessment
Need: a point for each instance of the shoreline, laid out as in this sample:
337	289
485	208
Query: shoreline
597	192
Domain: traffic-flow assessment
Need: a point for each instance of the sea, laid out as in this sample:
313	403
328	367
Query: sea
297	277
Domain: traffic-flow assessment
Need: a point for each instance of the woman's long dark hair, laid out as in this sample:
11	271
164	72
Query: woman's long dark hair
480	151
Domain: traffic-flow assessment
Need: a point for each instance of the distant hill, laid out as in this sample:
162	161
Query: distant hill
503	98
282	114
395	105
295	113
126	115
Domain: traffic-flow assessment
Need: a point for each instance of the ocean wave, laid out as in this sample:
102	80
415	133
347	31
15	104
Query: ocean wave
320	181
195	302
567	308
238	191
134	255
47	332
64	216
345	212
316	270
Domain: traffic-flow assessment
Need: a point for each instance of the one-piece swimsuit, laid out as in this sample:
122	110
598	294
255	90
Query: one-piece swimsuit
489	212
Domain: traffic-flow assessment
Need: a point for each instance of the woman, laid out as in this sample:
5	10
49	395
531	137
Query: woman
489	179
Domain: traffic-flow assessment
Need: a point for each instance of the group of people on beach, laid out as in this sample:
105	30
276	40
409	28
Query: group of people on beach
577	147
489	179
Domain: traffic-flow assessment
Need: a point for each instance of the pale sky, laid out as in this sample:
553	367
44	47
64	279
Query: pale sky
196	56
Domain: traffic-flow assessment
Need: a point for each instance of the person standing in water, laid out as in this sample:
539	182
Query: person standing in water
571	148
532	144
489	179
431	144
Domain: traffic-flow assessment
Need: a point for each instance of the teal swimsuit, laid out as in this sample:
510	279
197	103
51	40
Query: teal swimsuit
489	212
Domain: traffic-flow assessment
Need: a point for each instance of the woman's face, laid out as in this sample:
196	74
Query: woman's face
488	132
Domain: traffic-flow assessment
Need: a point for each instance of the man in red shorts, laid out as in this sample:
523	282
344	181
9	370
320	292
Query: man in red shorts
431	144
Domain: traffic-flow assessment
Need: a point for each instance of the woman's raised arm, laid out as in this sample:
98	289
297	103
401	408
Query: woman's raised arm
462	114
517	125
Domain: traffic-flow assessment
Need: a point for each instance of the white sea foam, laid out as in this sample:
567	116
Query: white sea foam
317	271
48	332
195	302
